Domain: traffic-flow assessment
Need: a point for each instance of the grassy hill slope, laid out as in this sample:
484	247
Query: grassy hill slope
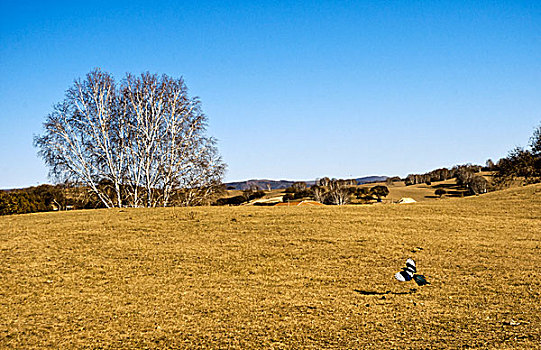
423	192
268	277
419	192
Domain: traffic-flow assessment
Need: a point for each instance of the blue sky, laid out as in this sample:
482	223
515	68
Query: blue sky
293	90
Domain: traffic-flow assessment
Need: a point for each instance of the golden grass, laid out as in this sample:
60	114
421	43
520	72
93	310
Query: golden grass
419	192
268	277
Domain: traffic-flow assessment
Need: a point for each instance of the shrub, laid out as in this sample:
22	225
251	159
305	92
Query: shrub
440	192
33	199
379	191
236	200
363	193
288	197
252	193
478	185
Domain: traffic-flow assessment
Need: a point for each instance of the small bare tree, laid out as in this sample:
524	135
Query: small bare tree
318	193
339	192
299	186
323	181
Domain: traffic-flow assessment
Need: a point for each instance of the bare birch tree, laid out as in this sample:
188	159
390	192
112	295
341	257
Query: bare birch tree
319	193
137	144
339	192
79	143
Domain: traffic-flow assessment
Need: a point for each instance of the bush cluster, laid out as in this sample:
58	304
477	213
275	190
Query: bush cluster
297	191
441	174
249	194
339	192
39	199
236	200
522	164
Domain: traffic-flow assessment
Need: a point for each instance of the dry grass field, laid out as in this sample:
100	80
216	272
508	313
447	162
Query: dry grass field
276	277
419	192
423	192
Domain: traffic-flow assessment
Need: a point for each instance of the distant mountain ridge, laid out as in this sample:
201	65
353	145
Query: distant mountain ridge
281	184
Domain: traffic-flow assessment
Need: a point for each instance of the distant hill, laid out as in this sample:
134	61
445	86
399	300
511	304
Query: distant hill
369	179
281	184
262	184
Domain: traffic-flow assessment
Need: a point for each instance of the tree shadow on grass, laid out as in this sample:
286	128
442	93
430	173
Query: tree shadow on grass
462	193
368	292
452	190
445	186
458	192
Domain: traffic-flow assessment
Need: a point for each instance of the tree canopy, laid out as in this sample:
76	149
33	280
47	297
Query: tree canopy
140	142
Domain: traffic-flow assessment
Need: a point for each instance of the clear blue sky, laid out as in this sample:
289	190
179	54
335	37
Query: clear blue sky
292	89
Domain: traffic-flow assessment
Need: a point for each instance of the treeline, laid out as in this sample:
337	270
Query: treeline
44	198
249	194
327	191
335	191
466	176
521	164
68	196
